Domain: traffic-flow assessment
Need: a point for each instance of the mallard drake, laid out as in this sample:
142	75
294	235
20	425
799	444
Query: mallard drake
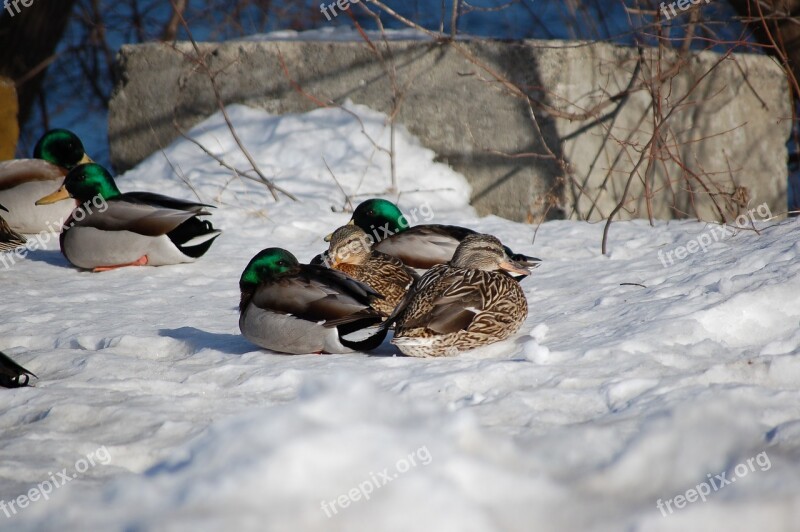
9	239
469	302
421	246
351	252
110	230
23	181
299	308
12	375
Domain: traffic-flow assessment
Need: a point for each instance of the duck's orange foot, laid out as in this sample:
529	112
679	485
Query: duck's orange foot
141	261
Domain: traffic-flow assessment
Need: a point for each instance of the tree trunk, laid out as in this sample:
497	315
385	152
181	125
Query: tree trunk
28	40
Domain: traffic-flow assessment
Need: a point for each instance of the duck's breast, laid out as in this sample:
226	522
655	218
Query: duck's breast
89	247
287	334
25	216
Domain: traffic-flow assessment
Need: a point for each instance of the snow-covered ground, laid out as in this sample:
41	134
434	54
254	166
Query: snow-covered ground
630	383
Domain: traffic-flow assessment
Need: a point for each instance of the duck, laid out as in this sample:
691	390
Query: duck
12	375
23	181
295	308
421	246
351	252
9	239
467	303
110	230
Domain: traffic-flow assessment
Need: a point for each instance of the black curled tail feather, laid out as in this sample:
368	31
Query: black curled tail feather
366	344
191	229
524	260
12	375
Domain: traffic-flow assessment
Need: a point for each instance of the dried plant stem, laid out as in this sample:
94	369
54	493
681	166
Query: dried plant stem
645	150
201	62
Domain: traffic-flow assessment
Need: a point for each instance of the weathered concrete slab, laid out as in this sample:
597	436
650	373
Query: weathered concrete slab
732	128
726	140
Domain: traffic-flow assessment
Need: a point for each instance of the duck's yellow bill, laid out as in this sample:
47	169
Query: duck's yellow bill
514	268
85	160
58	195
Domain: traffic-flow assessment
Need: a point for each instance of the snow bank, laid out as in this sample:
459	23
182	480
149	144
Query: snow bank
630	383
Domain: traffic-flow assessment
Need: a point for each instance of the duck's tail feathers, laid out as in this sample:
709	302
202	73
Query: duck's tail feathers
525	260
361	336
194	236
202	239
12	375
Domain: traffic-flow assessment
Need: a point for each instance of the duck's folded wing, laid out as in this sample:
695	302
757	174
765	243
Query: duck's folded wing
9	239
342	282
424	246
315	298
452	310
121	215
18	171
159	200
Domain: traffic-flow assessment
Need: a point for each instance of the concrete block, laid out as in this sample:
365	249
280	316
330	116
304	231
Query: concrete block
735	129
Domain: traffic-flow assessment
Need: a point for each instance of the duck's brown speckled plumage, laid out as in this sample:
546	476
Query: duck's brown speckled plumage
454	308
350	253
9	239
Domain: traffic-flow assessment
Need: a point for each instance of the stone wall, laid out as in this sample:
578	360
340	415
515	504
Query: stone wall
725	142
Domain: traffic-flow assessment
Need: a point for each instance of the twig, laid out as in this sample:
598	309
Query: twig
647	146
201	62
346	196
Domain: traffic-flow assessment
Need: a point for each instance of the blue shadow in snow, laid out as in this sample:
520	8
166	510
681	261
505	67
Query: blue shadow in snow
232	344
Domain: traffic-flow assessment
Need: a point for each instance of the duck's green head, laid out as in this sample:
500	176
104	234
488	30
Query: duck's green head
267	265
61	147
376	213
84	183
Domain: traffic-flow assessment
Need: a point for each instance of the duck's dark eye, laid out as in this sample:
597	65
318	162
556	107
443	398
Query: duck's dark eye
370	213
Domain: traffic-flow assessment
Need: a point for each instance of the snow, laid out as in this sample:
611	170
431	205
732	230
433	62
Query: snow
629	383
343	34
